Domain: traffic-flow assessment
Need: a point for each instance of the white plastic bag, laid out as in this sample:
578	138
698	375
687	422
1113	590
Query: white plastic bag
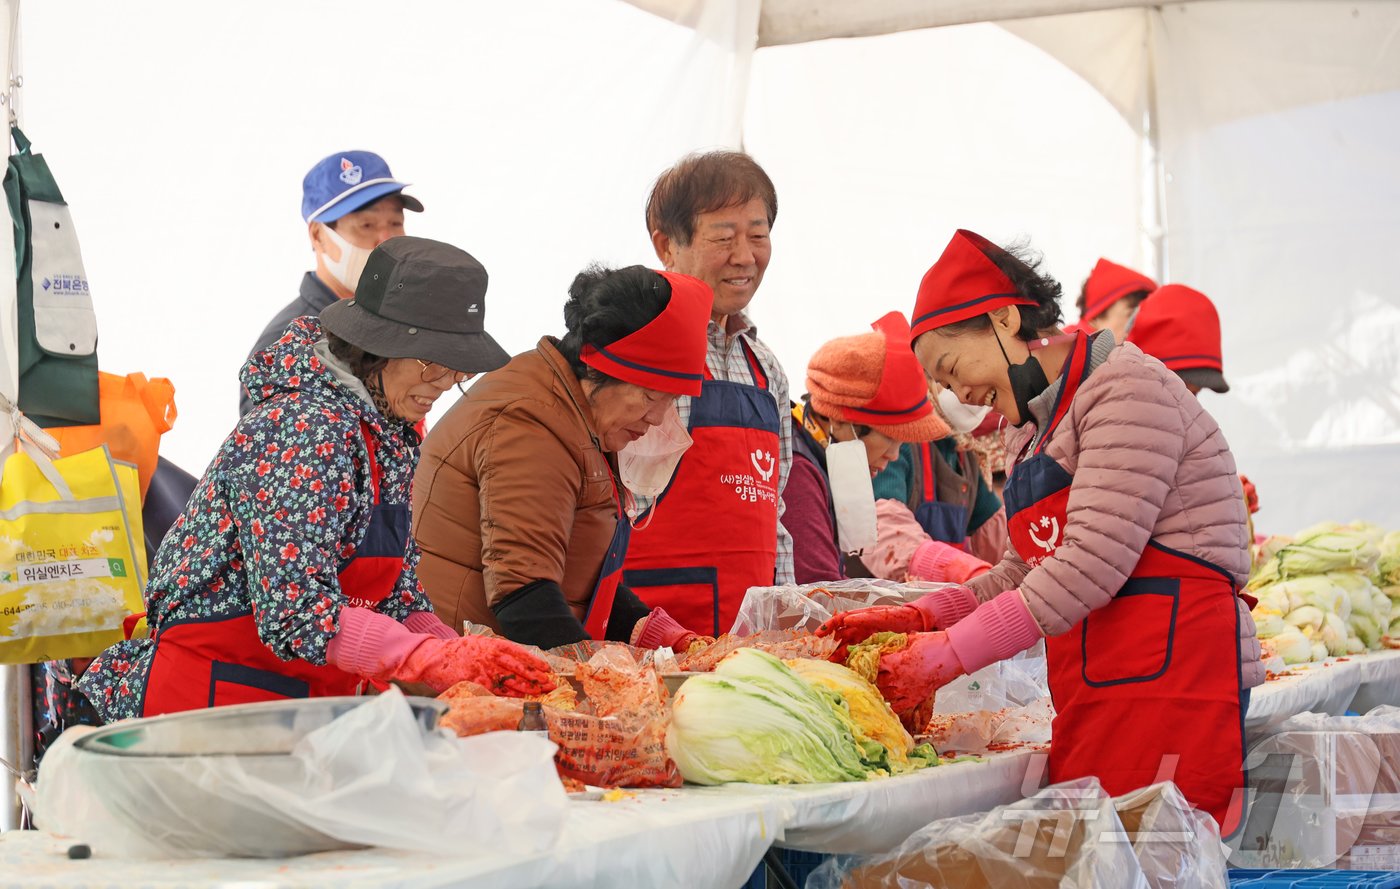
1002	704
1012	683
370	777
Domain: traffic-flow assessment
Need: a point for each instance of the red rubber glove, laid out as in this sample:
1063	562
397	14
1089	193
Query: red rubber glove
378	647
490	661
909	678
996	630
933	611
1251	495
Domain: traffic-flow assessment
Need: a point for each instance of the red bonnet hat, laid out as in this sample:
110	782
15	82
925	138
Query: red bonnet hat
668	353
962	284
1108	283
1180	327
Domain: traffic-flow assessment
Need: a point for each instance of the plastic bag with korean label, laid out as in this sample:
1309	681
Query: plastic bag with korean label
1003	705
611	734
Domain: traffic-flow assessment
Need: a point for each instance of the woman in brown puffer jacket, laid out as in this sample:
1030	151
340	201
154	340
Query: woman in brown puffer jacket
1127	548
516	505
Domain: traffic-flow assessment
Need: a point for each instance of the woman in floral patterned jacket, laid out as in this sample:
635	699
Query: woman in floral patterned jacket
291	572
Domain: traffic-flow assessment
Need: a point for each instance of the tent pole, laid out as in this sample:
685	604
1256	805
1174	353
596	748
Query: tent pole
16	714
1154	177
16	739
745	44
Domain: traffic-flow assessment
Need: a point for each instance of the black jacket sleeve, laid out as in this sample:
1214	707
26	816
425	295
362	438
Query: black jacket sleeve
537	614
626	611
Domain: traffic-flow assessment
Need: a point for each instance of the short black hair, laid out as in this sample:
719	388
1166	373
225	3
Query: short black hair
1022	265
606	305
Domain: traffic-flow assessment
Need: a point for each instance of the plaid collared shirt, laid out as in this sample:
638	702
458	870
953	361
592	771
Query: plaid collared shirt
726	361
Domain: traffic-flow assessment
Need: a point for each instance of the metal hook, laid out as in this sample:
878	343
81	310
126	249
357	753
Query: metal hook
26	777
16	82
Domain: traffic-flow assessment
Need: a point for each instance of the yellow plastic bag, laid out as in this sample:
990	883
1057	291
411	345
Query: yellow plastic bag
72	555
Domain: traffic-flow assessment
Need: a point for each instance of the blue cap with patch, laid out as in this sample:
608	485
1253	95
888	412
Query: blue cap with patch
346	182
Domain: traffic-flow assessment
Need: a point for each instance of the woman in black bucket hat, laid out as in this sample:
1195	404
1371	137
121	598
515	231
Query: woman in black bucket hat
292	572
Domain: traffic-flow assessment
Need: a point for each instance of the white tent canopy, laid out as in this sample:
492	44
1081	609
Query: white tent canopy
802	21
1275	123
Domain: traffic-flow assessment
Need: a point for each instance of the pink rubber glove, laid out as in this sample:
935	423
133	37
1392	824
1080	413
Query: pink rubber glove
996	630
944	563
378	647
932	611
660	630
427	622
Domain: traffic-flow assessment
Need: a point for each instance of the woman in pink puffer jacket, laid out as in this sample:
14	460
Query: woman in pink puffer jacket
1127	542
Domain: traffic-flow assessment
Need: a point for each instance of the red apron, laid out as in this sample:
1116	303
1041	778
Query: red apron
942	521
211	661
595	621
1148	687
715	533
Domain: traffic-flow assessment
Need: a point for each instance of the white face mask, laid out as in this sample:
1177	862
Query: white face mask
350	266
647	464
852	495
961	417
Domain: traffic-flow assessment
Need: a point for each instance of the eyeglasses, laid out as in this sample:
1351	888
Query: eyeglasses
436	373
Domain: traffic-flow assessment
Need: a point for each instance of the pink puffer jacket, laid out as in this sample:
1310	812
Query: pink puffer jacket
1148	462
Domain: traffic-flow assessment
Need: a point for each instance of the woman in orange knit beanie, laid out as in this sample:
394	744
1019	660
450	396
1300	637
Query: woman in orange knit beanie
870	388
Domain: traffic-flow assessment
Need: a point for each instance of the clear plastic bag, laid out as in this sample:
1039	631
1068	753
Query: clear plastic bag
370	777
614	737
1067	836
782	644
1178	847
618	735
804	607
1326	794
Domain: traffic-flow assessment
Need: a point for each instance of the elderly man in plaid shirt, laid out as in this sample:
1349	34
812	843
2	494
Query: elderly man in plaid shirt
715	532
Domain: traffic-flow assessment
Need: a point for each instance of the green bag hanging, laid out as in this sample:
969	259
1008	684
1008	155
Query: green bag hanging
57	326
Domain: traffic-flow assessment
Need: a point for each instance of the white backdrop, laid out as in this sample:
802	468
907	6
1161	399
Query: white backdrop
532	132
1284	205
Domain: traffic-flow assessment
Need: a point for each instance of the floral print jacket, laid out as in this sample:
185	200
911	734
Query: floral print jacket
277	514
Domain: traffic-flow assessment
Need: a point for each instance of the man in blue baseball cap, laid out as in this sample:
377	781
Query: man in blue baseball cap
351	203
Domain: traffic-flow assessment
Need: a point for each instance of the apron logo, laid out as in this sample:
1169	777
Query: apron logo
1048	544
757	458
350	173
